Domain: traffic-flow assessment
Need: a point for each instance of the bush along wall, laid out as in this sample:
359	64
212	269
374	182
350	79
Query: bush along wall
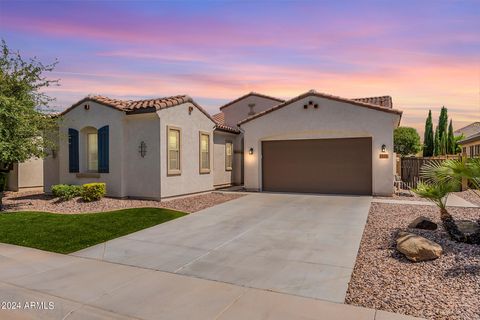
89	192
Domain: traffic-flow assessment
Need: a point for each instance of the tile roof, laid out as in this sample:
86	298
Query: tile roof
140	106
468	131
220	123
326	96
219	117
472	138
383	101
251	94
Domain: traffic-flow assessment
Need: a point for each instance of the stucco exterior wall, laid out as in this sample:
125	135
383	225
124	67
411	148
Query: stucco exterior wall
143	173
12	179
332	119
468	152
50	172
221	176
190	180
239	110
97	116
28	174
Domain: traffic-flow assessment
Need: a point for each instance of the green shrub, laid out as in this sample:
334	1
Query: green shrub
66	192
93	191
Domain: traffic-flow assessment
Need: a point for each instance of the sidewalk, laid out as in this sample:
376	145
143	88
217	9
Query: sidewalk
81	288
452	201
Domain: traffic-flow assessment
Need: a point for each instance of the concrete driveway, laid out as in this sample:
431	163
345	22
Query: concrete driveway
303	245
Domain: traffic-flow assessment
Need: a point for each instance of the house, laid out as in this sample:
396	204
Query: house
160	148
322	144
471	139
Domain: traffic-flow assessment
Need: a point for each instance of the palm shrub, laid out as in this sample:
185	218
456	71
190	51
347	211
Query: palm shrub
442	178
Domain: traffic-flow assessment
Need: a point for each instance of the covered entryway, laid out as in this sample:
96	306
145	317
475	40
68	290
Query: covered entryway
334	166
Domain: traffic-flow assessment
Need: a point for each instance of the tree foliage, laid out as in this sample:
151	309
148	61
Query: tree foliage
25	129
428	136
442	123
436	144
406	141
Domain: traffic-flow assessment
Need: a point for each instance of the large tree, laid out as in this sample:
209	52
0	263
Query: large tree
26	130
428	136
406	141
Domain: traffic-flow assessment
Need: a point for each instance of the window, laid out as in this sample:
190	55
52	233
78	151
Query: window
471	151
92	152
173	153
204	152
228	155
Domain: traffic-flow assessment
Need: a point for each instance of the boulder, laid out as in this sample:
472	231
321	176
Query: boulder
417	248
423	223
467	227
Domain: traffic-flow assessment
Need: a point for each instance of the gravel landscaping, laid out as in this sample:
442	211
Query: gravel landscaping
445	288
472	196
38	201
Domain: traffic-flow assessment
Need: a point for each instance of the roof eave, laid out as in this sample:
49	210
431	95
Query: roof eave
316	94
248	95
76	104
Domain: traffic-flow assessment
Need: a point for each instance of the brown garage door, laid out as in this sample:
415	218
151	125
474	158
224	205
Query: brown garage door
339	166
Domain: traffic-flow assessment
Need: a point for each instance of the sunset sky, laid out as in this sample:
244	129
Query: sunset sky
424	54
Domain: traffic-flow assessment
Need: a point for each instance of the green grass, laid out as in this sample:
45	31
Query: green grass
66	233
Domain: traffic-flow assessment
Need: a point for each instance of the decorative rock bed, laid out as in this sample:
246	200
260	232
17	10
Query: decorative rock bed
445	288
38	201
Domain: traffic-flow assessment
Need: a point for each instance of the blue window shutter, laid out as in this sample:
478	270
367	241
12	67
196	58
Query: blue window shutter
73	150
103	150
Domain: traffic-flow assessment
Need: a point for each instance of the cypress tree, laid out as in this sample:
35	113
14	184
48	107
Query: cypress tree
443	144
451	143
428	136
436	144
442	123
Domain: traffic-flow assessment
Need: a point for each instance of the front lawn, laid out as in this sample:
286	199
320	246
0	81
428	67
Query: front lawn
66	233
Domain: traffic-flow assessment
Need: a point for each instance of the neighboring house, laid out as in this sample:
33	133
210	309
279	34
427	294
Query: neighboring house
26	175
159	148
471	139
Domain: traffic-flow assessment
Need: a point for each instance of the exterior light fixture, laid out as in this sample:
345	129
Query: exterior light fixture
384	148
142	149
250	151
86	107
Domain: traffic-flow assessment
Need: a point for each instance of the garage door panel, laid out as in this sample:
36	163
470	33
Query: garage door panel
338	166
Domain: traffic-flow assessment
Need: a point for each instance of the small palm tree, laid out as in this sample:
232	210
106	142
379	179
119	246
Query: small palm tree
443	178
438	193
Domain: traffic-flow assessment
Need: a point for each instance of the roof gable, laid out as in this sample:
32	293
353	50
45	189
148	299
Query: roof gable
256	94
326	96
140	106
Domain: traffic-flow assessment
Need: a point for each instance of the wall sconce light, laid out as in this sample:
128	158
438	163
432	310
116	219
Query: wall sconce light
384	148
190	109
250	151
142	149
86	107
